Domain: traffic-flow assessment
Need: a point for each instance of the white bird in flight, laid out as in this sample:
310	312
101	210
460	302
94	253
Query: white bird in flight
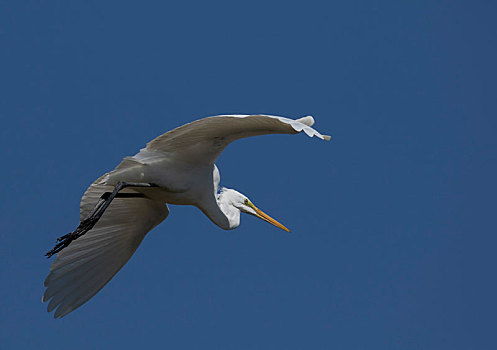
122	206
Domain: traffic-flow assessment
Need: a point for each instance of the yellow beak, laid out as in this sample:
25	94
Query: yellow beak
261	215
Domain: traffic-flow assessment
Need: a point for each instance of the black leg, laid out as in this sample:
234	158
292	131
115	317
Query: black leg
102	204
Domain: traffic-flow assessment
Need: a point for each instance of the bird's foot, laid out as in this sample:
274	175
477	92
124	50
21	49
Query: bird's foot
65	240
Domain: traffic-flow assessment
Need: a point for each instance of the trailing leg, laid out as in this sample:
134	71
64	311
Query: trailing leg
102	204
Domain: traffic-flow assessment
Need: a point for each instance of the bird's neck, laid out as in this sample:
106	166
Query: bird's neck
220	212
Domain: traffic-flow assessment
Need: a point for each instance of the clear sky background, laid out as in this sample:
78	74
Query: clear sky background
393	233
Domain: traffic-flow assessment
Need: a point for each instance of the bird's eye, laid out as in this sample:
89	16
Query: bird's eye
246	201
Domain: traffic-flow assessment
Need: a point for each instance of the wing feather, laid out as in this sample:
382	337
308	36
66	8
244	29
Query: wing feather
204	139
88	263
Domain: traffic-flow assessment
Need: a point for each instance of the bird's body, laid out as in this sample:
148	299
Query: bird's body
122	206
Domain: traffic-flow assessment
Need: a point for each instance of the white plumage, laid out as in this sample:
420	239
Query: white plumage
180	163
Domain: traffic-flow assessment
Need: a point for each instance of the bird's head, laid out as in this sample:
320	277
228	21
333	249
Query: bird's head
244	205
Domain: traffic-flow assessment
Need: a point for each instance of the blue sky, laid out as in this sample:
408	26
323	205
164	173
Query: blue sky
393	232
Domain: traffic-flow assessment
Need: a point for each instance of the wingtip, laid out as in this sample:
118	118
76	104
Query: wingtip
307	120
326	137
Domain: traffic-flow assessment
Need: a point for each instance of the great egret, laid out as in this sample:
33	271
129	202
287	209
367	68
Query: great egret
122	206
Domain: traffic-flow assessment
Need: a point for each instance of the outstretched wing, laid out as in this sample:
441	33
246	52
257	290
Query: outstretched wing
89	262
204	139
